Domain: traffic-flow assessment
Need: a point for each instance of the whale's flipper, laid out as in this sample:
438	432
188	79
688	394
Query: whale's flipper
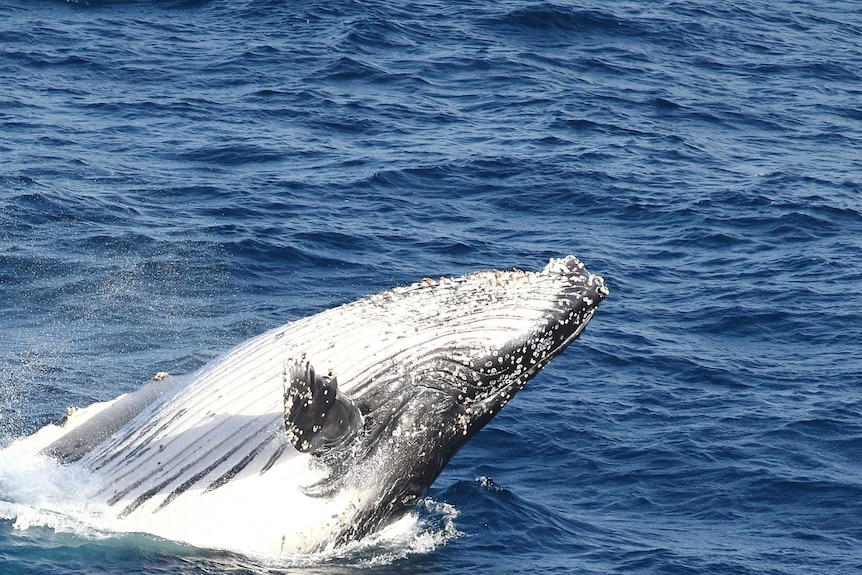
86	428
317	416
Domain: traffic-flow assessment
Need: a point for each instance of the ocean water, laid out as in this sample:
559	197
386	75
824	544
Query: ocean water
177	176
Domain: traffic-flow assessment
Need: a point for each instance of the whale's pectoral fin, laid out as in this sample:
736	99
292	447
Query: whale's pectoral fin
317	416
86	428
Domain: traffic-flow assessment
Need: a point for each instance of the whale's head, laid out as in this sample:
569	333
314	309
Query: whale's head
457	351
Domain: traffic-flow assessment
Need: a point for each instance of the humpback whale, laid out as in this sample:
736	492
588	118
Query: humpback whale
324	430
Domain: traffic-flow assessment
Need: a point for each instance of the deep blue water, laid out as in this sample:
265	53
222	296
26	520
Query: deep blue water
177	176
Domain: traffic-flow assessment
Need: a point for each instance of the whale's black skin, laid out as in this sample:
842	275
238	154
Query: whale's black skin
404	435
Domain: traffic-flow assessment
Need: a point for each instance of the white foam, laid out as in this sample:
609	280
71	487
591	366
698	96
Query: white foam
35	491
431	525
38	492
